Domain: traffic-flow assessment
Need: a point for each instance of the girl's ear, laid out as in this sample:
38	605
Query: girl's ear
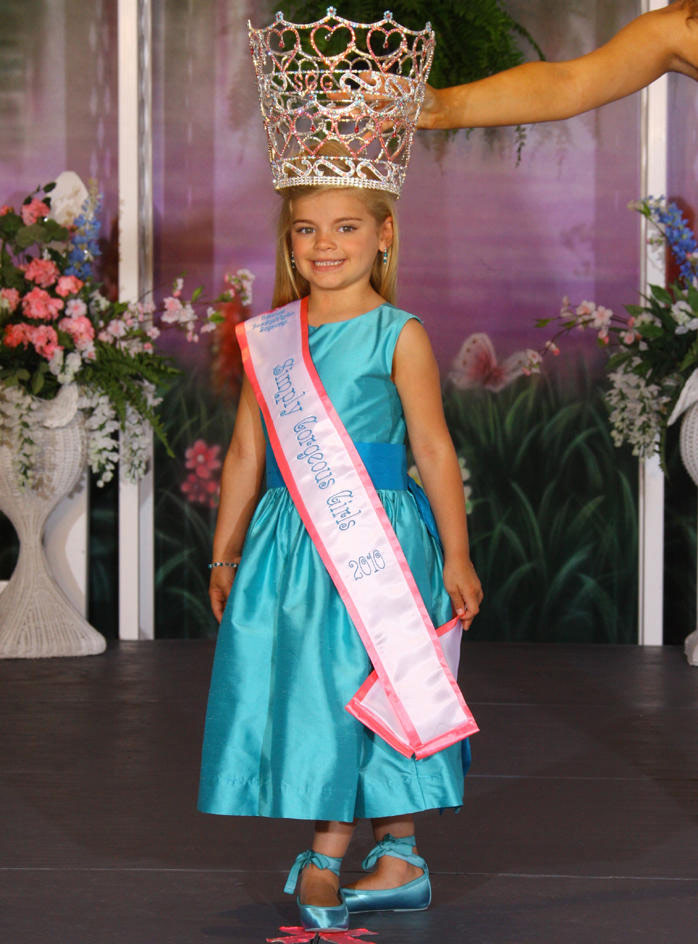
385	234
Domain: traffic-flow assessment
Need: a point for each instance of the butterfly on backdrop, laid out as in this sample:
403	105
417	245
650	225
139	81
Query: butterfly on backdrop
476	365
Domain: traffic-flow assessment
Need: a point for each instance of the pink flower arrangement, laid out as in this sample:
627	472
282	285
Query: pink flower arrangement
57	327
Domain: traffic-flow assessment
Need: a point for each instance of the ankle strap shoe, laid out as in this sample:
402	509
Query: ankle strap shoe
413	896
313	917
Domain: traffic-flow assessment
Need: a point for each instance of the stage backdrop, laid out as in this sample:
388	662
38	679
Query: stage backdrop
487	247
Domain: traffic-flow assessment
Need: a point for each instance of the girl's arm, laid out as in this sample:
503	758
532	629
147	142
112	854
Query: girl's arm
416	377
241	480
662	41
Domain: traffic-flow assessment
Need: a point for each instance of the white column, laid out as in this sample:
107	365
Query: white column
135	501
651	490
66	532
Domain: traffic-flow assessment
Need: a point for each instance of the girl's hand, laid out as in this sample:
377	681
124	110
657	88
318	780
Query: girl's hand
219	588
463	586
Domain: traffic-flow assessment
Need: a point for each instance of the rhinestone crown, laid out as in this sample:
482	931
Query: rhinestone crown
340	100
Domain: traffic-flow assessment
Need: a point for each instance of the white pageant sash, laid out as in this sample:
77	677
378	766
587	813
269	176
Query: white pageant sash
412	700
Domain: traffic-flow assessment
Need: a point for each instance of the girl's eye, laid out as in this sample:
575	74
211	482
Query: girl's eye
347	228
303	230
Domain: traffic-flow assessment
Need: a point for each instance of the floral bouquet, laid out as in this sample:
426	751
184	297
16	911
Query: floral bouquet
61	336
653	347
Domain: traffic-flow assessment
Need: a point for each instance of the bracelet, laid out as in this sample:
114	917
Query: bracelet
223	564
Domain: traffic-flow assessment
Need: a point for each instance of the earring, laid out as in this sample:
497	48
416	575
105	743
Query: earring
385	257
293	261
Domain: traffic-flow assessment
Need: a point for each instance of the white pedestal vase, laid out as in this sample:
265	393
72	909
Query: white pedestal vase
36	618
689	454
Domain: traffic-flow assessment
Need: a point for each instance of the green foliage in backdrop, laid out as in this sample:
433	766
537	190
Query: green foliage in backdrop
554	520
473	39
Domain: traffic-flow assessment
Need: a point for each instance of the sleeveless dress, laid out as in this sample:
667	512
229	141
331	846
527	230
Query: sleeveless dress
278	741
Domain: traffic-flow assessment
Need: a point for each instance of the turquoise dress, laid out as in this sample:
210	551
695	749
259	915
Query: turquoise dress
278	741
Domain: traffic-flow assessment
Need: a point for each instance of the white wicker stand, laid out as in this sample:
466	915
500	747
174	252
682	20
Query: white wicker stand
36	618
689	454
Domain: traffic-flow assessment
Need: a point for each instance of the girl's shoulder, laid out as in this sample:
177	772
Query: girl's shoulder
398	317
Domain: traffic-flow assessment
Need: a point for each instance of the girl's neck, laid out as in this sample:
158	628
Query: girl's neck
324	307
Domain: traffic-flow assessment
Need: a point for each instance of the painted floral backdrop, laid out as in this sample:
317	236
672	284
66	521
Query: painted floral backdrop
553	502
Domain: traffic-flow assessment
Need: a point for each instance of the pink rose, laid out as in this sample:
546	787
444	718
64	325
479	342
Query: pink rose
42	271
31	212
40	305
68	285
16	334
5	209
80	329
11	296
45	341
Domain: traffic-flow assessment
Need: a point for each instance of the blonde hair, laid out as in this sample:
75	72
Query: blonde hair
290	284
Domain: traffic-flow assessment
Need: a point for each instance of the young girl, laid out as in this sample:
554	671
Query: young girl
278	740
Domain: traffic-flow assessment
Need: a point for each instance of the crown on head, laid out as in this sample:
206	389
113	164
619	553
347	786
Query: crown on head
340	100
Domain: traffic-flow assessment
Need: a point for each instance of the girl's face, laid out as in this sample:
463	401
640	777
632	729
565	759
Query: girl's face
335	240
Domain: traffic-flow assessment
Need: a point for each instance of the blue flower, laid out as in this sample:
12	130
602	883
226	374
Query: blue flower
678	233
85	241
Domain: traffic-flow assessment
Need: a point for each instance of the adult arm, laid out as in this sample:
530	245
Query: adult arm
662	41
416	377
241	479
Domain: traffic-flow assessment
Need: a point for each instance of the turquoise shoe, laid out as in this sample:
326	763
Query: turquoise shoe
314	918
414	896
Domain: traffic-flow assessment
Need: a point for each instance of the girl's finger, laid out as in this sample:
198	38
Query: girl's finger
458	603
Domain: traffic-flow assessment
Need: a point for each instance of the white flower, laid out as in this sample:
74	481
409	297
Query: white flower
16	407
637	410
691	325
681	312
55	365
68	198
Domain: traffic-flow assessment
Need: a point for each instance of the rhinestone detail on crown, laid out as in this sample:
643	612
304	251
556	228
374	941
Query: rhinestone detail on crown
340	99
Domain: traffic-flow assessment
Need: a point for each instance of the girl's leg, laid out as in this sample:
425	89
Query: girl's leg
390	872
320	887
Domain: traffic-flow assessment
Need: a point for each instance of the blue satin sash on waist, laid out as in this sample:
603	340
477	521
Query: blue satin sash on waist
386	463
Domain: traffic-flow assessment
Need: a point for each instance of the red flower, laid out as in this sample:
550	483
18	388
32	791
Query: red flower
16	334
33	211
200	491
11	296
300	936
5	209
45	341
203	459
42	271
68	285
40	305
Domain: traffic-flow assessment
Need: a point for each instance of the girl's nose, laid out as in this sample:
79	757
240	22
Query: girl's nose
323	240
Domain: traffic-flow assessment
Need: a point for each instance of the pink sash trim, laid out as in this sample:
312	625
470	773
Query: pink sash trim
393	722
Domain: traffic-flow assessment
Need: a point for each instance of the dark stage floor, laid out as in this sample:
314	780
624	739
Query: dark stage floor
579	823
